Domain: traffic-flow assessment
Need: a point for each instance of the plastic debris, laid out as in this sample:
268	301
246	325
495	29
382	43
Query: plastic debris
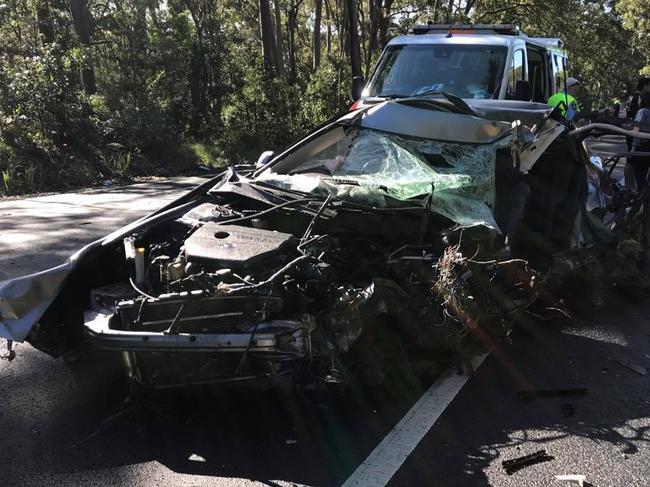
516	464
580	480
196	458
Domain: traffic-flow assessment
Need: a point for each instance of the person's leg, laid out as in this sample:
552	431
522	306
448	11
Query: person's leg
641	165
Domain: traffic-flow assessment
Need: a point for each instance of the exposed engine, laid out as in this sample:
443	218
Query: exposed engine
321	293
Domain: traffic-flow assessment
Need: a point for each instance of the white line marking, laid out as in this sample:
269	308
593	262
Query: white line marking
394	449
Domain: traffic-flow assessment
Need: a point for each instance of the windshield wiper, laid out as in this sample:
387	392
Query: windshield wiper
430	91
388	96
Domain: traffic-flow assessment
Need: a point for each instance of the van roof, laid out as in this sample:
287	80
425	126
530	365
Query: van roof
474	39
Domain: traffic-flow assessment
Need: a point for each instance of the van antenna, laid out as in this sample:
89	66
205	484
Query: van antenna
566	88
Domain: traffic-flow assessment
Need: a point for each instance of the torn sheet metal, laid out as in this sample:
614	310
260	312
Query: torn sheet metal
544	137
25	299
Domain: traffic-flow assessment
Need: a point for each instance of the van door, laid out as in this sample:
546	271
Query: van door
539	74
558	63
517	72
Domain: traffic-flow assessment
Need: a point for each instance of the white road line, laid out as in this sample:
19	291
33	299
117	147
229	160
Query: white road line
394	449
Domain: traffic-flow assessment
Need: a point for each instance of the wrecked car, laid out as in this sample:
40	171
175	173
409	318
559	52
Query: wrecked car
392	231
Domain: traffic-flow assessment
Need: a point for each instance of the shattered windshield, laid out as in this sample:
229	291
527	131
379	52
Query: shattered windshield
370	165
462	70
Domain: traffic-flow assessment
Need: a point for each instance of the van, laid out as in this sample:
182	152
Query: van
469	61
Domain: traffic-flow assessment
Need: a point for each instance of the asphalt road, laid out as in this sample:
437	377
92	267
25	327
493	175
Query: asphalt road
65	425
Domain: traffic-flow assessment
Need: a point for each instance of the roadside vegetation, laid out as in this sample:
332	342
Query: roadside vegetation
92	90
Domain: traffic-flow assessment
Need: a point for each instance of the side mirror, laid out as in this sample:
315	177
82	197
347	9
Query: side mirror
522	91
357	87
264	158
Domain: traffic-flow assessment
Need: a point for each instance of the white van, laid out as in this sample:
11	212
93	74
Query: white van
469	61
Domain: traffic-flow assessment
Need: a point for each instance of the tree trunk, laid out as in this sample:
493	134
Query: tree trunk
266	31
292	22
278	37
355	52
343	27
83	28
436	9
328	14
317	18
44	19
469	5
373	31
450	13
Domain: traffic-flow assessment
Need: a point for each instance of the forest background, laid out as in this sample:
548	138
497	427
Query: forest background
96	90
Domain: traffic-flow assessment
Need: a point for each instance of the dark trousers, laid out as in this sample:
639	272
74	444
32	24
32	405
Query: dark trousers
641	166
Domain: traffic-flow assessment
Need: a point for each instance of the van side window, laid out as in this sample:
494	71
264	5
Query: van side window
517	72
558	72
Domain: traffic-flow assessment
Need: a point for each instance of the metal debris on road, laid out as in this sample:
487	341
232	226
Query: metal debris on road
516	464
580	480
8	354
639	369
534	394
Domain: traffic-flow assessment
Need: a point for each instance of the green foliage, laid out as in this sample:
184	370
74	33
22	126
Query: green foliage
159	87
636	18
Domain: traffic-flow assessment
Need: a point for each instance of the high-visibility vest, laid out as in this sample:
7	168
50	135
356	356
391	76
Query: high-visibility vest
569	104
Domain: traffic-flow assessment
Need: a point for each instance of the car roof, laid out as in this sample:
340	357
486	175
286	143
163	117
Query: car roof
474	39
468	39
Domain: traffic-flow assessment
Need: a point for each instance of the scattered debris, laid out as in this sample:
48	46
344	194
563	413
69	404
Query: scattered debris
534	394
196	458
581	480
639	369
516	464
567	410
8	354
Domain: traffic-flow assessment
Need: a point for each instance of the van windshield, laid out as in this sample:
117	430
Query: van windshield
462	70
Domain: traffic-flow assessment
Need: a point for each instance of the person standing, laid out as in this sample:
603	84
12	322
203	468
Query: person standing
642	86
567	99
641	164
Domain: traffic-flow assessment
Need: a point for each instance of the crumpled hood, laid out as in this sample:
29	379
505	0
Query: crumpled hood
24	300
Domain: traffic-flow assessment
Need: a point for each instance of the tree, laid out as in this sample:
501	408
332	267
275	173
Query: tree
83	28
636	18
353	33
269	48
318	10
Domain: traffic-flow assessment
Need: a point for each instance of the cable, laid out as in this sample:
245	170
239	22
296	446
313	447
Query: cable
268	210
310	227
140	290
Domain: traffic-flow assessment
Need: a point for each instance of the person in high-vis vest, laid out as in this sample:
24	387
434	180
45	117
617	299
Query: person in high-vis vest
566	99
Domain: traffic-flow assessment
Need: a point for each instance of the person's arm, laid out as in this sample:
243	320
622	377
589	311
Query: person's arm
641	118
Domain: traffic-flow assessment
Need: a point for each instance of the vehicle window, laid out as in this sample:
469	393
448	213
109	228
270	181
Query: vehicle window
537	75
558	72
464	71
517	72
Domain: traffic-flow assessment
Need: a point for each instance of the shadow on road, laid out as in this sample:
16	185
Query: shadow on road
488	422
273	435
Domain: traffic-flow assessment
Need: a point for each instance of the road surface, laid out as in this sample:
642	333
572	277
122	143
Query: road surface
58	423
